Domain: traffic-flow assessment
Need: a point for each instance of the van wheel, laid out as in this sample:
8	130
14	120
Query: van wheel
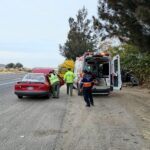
20	97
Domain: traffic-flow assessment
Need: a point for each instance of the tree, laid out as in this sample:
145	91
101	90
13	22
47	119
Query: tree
10	65
63	68
80	37
129	20
133	60
18	65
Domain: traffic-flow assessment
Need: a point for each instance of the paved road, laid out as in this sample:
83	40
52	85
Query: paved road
117	122
120	121
28	124
9	78
6	83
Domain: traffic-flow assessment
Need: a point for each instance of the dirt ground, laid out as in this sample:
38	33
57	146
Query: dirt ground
120	121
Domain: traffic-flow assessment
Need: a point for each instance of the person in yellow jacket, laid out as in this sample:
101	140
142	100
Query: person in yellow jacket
54	80
69	78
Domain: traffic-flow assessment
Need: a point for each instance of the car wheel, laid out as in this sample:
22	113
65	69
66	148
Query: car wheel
47	96
20	97
134	81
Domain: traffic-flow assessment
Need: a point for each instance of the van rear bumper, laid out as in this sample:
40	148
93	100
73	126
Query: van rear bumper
101	91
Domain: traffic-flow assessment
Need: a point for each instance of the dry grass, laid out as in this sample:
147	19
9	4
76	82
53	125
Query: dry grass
13	70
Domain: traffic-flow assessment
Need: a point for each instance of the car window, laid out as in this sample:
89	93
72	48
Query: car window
34	78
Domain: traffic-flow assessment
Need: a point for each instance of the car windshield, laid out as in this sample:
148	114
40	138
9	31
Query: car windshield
33	77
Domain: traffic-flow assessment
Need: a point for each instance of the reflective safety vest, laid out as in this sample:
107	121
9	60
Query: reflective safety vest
87	84
53	79
87	81
69	77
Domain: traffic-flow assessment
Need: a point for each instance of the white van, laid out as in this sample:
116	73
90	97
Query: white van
104	69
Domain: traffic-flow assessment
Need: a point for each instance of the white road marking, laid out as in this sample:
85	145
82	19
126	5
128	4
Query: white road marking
8	83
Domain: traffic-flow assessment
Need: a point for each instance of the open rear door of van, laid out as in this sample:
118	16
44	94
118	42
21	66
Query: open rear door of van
116	73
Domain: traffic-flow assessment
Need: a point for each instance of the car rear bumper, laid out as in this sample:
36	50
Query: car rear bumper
32	93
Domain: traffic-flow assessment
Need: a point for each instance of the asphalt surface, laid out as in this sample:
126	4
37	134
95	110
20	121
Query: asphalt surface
119	121
29	123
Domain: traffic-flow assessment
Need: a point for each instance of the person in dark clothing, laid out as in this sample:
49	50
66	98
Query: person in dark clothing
86	87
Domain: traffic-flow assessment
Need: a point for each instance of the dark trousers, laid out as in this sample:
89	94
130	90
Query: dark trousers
55	89
69	88
87	93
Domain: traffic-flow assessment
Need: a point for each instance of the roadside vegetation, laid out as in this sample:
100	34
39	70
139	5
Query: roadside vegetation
134	61
62	68
80	36
12	65
127	21
14	68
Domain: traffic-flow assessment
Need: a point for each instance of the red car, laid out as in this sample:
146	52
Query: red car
46	71
35	84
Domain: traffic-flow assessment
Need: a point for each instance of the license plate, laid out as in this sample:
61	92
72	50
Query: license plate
30	88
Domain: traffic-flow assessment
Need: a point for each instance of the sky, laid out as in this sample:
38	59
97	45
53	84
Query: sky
31	30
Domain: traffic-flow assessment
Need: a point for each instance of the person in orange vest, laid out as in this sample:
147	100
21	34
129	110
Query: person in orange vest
86	87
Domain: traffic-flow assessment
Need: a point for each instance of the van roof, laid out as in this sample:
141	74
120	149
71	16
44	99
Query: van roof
42	70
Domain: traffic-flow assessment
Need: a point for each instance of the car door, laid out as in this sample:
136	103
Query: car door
116	73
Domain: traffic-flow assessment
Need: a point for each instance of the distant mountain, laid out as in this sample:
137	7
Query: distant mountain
2	66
